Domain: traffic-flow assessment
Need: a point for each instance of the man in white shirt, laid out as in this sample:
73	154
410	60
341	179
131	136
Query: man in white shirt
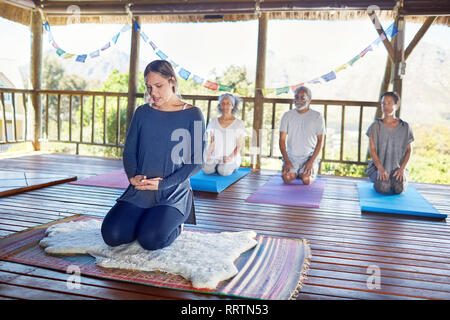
304	129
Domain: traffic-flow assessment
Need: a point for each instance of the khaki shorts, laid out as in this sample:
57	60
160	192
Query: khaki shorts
298	163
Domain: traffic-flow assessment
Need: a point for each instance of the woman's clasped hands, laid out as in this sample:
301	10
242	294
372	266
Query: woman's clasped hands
140	182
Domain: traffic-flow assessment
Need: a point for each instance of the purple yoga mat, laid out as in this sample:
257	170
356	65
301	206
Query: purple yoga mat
296	194
112	179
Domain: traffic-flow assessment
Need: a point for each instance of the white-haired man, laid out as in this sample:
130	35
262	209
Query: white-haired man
301	137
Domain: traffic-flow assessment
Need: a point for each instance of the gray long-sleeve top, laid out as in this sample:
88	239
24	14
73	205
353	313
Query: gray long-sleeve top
164	144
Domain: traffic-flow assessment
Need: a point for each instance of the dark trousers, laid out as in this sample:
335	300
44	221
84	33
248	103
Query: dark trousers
154	228
391	186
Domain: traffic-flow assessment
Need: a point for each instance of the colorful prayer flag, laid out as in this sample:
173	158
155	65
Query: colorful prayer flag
162	55
94	54
106	46
225	88
295	86
60	52
211	85
268	91
153	45
282	90
81	58
241	91
377	41
136	26
68	55
329	76
315	80
184	73
363	53
355	58
198	79
114	39
125	28
55	45
344	66
46	26
391	31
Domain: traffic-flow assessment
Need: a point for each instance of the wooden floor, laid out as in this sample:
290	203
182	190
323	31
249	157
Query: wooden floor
411	254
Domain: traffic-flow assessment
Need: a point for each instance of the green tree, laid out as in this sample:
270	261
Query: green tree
55	78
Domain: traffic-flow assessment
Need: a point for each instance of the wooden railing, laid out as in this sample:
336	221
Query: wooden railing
98	119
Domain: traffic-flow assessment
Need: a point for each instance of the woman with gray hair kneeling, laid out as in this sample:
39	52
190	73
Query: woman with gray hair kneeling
226	137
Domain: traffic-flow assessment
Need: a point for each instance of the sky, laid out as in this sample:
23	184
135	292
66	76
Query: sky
202	47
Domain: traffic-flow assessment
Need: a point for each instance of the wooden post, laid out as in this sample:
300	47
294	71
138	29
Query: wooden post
133	72
399	58
36	73
259	84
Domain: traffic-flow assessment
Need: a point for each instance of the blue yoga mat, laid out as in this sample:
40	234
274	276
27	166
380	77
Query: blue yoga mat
214	182
409	203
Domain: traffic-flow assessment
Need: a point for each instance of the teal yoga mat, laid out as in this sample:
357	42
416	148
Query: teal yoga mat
409	203
214	182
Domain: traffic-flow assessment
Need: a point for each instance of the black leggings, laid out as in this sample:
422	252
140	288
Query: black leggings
154	228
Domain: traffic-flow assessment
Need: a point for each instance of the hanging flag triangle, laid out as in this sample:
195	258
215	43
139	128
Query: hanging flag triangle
94	54
225	88
211	85
282	90
153	45
81	58
162	55
241	91
184	73
343	67
198	79
106	46
355	58
114	39
60	52
136	26
329	76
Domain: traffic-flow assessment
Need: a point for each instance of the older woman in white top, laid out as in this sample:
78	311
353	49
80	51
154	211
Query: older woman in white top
226	137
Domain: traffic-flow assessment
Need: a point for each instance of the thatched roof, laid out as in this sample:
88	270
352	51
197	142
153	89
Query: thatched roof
117	11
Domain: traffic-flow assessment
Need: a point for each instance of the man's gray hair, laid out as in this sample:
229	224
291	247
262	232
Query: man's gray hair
235	101
303	88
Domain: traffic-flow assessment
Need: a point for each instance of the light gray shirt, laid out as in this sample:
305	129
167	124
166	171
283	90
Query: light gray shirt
302	130
390	144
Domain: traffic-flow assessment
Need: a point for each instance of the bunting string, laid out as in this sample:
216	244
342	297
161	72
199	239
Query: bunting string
185	74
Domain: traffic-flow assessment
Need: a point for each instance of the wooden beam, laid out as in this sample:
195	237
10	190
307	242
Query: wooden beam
133	71
259	84
24	4
184	7
376	22
36	72
426	25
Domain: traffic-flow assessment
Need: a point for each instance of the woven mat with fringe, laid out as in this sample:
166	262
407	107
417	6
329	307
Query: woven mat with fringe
274	269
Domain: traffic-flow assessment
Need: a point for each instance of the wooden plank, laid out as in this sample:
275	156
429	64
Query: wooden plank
413	254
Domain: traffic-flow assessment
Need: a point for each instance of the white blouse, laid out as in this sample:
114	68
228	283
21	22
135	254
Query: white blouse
225	139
